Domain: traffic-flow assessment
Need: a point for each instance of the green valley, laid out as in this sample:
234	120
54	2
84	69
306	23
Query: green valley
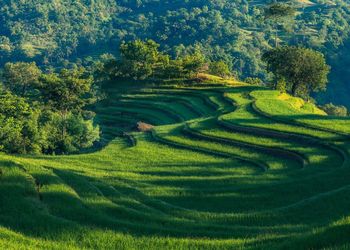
169	124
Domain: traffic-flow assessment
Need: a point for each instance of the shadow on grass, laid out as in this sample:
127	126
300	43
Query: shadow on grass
91	202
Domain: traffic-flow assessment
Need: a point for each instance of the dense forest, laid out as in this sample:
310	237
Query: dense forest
59	32
43	112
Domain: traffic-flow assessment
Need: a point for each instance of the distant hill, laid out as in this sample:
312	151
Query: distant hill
52	32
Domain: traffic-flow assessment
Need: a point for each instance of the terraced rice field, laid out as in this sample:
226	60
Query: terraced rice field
238	167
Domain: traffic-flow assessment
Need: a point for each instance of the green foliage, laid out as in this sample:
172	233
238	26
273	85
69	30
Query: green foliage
5	45
224	168
67	134
51	120
19	132
219	68
192	63
139	60
175	69
21	77
232	31
279	11
227	30
303	70
67	91
335	110
254	81
281	85
102	68
279	14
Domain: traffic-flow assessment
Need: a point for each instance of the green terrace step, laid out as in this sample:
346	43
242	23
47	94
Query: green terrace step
298	138
280	152
213	173
345	136
193	102
260	165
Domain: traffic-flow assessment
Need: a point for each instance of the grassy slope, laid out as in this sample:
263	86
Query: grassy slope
228	167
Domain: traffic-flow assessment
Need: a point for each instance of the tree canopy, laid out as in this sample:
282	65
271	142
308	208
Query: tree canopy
279	11
66	91
303	70
21	77
142	60
44	112
227	30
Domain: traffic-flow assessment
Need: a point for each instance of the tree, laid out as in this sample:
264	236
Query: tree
53	121
6	46
192	63
19	132
78	133
140	59
21	77
70	90
254	81
303	70
279	13
174	69
67	93
102	69
219	68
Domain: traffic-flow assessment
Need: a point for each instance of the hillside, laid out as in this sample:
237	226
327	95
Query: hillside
52	33
224	167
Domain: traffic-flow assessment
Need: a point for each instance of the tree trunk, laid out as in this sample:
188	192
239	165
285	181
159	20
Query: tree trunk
64	127
294	89
24	90
276	38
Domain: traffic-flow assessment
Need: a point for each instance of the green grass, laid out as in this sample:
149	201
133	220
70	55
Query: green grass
235	167
296	110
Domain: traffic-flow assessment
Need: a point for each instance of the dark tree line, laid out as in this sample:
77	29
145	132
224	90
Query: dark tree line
142	60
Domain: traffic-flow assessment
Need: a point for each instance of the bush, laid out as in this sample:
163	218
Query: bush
281	85
254	81
67	134
335	110
219	68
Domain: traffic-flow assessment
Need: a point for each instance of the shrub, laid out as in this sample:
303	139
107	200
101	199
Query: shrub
334	110
67	134
219	68
254	81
